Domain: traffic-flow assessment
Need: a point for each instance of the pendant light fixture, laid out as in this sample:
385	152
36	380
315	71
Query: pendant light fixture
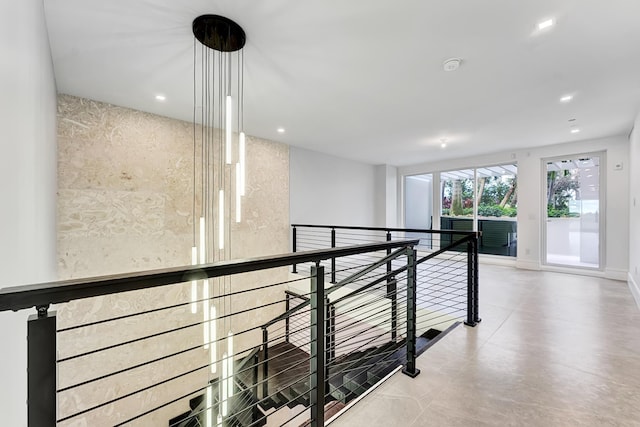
218	108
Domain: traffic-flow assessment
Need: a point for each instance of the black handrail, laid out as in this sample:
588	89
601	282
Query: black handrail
43	294
408	230
469	237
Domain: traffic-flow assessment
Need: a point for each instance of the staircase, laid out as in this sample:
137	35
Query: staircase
349	376
364	330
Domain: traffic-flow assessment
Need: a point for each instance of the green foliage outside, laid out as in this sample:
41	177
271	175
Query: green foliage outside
497	195
560	213
496	210
562	187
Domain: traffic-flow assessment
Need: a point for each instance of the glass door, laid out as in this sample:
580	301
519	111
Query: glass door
573	212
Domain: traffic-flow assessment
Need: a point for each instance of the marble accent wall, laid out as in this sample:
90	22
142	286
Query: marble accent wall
125	201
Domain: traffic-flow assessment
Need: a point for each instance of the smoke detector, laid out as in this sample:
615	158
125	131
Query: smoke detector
451	64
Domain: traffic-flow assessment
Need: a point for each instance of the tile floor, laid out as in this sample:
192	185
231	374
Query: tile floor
552	350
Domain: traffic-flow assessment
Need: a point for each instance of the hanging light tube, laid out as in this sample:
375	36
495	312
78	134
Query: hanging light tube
242	154
213	353
203	257
230	362
227	128
209	406
221	219
238	196
205	313
194	283
224	386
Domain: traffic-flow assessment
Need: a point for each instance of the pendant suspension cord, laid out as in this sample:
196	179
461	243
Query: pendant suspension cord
220	161
203	127
221	120
239	99
224	182
212	154
207	143
193	212
241	89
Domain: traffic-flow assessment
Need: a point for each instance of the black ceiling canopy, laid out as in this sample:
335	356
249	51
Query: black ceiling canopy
219	33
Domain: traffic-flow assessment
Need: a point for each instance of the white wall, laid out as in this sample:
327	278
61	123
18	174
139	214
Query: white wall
386	196
530	190
634	211
331	190
27	182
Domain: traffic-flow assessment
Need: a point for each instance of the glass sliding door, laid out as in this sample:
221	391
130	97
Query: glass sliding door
573	211
457	197
418	205
497	196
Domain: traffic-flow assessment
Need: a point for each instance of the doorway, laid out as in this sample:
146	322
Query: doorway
573	211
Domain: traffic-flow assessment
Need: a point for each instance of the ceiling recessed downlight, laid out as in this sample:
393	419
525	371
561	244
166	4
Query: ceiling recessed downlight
547	23
280	130
566	98
160	97
575	130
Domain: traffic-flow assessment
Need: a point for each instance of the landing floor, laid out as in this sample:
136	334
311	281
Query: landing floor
552	350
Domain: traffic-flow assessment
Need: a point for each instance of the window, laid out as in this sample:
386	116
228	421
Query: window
483	199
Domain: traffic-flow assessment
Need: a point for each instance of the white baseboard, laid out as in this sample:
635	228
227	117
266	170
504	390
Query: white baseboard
614	274
635	289
527	265
497	260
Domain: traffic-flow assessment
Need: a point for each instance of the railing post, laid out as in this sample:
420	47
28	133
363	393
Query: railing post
265	363
294	248
41	368
286	321
392	294
333	260
256	363
410	368
471	291
318	375
476	277
388	253
392	291
331	332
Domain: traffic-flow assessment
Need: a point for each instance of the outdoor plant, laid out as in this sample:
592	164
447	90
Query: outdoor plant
497	196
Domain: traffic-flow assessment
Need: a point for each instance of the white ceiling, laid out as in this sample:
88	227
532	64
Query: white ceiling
363	79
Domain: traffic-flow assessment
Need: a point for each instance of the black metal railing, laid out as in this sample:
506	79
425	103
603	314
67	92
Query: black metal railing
149	355
354	321
446	274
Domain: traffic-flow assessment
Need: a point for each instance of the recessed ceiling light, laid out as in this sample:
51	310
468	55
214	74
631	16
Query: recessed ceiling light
575	130
160	97
566	98
548	23
443	145
280	130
